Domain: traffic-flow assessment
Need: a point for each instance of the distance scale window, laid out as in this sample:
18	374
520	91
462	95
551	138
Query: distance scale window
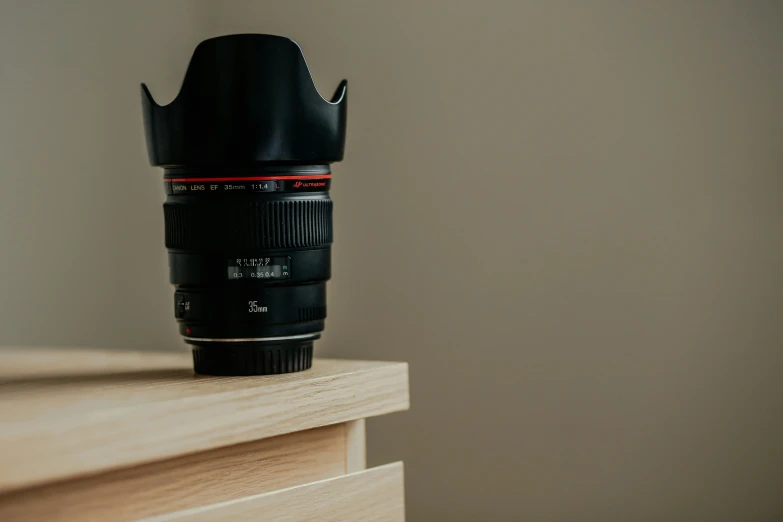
259	268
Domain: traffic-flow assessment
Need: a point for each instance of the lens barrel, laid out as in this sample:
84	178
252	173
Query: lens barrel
246	148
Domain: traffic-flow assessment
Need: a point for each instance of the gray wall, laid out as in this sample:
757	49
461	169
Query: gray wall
81	257
565	215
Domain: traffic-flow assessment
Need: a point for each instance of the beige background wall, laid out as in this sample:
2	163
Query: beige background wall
565	215
81	234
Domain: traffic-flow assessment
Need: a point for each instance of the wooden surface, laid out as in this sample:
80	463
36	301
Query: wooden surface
18	363
186	482
374	495
356	446
66	413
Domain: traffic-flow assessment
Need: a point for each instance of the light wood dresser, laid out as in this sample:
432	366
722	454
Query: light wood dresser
103	435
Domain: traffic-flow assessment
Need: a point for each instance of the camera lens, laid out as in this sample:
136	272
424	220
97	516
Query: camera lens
246	149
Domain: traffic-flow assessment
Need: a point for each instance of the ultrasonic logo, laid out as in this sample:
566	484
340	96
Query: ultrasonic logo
299	184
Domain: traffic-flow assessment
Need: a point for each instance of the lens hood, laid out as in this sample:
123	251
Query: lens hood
246	100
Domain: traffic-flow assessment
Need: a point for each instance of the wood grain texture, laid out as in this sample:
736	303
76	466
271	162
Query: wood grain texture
185	482
355	446
58	362
374	495
136	408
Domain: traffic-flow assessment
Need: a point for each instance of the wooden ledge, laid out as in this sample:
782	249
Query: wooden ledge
66	413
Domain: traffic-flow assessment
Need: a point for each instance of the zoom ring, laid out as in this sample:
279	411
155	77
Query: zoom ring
257	224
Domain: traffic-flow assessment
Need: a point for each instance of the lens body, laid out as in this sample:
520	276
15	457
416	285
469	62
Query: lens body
249	255
246	147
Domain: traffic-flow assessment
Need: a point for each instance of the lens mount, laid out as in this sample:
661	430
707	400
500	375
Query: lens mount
253	357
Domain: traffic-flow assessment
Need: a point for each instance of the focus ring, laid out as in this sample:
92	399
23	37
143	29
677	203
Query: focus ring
252	224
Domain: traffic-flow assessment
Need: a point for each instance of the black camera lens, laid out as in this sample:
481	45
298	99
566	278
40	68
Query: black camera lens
246	148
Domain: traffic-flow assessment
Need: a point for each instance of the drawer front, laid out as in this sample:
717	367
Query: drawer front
192	481
375	494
